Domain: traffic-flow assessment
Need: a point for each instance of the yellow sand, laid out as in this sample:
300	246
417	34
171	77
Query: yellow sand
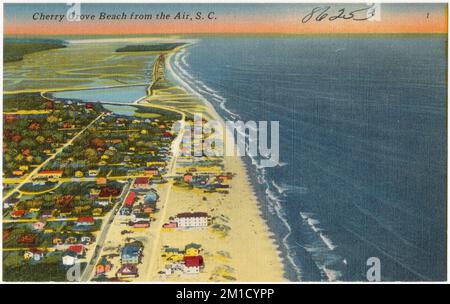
246	253
253	256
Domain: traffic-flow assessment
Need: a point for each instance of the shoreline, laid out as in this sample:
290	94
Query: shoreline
260	261
253	200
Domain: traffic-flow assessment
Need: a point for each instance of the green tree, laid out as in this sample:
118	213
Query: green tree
91	155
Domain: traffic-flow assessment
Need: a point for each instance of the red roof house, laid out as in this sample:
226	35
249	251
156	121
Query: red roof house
109	191
17	213
78	249
141	182
193	261
27	239
85	220
129	200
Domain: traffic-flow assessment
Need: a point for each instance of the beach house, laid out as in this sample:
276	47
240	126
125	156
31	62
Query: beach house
69	258
129	200
192	249
103	266
127	271
172	254
140	224
192	220
193	264
169	226
139	216
78	249
150	197
141	183
131	253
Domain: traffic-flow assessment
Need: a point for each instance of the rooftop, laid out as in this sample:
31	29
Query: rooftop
192	214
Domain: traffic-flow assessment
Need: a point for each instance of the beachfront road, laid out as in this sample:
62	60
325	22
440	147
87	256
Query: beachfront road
150	264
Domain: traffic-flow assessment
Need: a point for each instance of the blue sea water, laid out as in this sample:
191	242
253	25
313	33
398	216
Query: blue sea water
362	146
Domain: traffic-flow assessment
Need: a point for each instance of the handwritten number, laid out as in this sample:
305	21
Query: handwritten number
311	14
322	13
341	15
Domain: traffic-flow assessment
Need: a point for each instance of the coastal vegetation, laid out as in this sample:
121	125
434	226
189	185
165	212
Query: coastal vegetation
16	49
24	102
75	67
158	47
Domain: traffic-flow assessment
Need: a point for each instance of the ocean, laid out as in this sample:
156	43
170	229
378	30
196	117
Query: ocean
363	140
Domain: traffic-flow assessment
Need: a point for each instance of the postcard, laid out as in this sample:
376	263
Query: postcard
224	142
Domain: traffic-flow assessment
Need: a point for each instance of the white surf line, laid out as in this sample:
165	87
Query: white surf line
186	86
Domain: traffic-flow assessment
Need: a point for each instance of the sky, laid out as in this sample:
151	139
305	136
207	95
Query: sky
19	19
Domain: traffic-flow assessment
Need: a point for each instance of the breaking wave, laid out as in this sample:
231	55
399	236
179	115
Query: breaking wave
276	194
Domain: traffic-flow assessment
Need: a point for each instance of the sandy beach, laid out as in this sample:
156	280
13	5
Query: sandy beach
246	252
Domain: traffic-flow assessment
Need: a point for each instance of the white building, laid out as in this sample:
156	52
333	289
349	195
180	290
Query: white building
192	220
191	269
69	259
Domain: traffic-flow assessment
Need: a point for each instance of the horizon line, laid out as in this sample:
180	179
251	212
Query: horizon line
237	34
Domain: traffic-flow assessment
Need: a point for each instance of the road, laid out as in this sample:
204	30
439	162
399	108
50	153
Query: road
87	273
32	220
151	263
59	150
77	179
155	248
